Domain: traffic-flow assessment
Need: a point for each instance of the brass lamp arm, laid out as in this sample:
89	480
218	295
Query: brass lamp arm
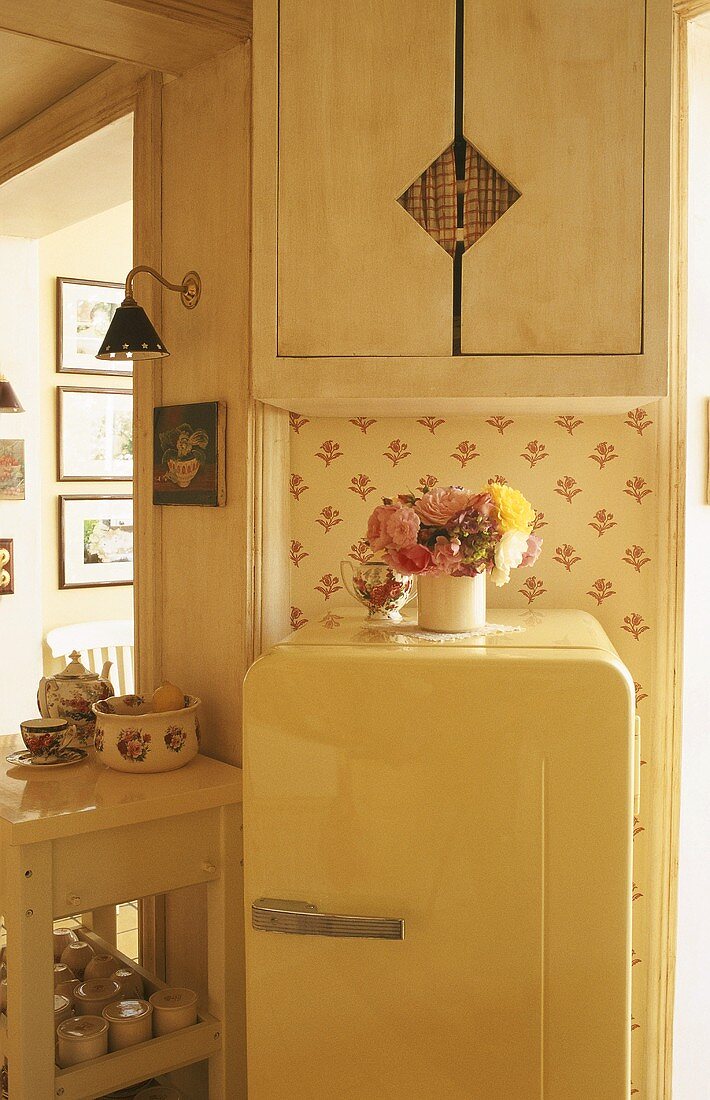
190	288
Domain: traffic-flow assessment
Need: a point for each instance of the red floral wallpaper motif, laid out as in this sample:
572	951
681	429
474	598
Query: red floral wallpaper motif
592	480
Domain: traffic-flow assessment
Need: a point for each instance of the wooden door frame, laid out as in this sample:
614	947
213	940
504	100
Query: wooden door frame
672	463
119	91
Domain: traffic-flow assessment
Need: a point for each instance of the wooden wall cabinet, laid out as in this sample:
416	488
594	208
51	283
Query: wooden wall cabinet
565	296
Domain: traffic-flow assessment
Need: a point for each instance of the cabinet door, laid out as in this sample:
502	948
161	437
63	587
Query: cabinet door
365	105
554	99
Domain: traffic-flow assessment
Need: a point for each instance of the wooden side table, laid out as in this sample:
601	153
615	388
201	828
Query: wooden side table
79	838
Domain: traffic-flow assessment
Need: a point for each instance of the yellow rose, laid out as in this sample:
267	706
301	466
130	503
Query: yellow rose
515	512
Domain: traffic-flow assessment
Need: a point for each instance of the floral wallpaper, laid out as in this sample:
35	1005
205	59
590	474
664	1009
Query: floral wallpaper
593	483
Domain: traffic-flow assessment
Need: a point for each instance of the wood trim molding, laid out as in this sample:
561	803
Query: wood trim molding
691	9
147	384
109	96
121	32
271	526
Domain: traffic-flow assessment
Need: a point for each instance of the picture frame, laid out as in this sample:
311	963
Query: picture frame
95	541
189	454
12	469
94	434
85	308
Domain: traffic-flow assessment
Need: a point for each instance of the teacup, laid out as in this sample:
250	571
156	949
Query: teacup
46	738
378	586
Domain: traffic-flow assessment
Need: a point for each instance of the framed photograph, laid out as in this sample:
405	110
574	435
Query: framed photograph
12	469
95	541
94	434
188	454
85	308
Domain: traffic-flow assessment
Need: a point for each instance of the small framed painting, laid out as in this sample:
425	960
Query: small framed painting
188	454
12	469
94	434
95	541
85	309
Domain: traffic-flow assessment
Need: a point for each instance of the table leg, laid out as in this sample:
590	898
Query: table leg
103	922
30	977
225	962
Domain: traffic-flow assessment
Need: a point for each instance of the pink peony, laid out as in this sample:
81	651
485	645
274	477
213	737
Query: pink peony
532	551
445	554
377	535
438	505
411	559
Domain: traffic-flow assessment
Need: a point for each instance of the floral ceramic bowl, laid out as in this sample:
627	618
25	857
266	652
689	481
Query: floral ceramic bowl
131	737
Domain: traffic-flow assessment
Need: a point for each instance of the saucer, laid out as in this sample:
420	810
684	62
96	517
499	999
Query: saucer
24	759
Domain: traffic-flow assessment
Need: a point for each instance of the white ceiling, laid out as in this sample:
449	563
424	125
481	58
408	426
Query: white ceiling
89	177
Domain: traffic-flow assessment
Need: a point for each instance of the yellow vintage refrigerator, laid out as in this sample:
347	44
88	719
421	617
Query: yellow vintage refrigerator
437	855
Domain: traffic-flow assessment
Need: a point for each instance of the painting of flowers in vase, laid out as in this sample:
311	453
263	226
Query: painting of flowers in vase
188	454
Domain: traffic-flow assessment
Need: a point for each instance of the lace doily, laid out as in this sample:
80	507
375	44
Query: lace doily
485	631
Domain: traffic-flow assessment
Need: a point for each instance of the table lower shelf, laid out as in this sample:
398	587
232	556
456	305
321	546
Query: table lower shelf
92	1079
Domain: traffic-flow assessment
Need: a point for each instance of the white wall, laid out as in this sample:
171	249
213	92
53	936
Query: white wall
692	1008
21	613
101	248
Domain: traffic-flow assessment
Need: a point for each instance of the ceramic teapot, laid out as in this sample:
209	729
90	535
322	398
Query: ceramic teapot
70	695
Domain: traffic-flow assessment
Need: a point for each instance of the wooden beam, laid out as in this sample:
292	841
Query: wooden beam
122	32
109	96
233	16
691	9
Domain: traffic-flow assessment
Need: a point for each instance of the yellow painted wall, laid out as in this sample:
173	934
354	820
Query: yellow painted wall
594	482
98	248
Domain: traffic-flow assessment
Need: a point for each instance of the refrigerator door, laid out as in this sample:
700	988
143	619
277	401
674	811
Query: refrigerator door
484	798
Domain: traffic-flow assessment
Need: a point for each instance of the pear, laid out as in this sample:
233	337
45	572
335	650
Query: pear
167	697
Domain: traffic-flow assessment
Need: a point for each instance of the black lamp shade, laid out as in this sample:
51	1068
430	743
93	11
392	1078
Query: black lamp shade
131	336
8	398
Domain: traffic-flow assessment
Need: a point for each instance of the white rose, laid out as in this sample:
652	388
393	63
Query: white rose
508	555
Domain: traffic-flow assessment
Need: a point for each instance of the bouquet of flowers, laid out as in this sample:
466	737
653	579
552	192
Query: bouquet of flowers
456	532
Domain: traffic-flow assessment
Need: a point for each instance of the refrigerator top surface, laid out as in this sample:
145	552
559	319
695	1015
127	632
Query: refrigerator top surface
523	629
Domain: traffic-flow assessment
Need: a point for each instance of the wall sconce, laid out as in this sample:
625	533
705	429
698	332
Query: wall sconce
9	402
131	334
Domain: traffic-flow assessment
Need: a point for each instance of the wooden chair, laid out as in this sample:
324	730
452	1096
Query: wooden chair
110	640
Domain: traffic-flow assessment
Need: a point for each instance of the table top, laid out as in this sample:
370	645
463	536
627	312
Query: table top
38	804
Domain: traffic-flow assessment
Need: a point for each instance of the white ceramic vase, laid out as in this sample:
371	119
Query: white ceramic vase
452	605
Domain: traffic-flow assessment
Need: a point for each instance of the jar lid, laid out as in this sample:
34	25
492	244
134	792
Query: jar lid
123	972
173	998
82	1027
96	989
79	945
60	1002
121	1011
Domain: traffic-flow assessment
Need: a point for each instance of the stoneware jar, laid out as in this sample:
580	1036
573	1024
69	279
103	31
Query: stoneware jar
451	605
131	984
63	1009
81	1038
61	938
173	1009
67	989
76	956
92	997
101	966
71	693
129	1022
130	737
62	974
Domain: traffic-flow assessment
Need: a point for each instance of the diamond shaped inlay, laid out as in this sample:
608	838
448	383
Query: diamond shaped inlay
433	199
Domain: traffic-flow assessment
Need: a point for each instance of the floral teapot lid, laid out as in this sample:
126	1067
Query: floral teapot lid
75	670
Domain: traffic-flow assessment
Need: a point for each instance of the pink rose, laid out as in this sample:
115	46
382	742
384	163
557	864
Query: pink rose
411	559
402	527
438	505
532	551
377	535
445	554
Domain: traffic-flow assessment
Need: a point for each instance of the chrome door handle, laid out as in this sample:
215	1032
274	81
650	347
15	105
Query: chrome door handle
299	918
